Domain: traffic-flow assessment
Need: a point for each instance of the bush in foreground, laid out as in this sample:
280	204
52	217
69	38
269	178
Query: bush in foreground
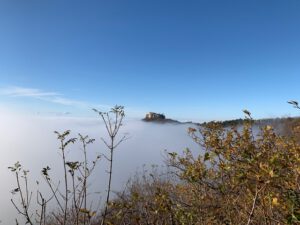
239	179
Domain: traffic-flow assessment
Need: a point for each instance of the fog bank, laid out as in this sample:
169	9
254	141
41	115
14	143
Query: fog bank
31	140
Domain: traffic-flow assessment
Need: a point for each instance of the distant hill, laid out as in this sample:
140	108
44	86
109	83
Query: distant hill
288	126
268	121
158	118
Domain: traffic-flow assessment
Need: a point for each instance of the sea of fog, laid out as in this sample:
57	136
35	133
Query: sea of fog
31	140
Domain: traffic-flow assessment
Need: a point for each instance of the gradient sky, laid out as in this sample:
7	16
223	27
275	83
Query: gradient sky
199	60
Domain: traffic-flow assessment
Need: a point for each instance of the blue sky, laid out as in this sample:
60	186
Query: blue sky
199	60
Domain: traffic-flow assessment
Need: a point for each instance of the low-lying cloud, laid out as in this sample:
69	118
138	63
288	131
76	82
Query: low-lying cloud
31	141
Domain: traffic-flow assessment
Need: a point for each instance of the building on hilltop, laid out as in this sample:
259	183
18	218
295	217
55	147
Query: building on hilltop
155	116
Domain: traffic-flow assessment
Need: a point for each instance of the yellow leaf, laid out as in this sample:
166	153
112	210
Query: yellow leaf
84	211
275	201
268	127
91	214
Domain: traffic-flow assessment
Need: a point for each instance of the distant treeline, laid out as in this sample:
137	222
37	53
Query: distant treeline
268	121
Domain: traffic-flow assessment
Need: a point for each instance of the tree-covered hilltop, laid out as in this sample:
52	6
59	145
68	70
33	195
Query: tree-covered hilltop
158	118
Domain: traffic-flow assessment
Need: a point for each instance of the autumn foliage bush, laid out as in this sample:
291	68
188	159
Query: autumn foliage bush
236	177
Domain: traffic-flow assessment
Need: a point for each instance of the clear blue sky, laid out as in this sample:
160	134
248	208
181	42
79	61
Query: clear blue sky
203	59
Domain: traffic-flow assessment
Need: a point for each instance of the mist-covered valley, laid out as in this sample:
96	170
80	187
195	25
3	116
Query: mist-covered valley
31	141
